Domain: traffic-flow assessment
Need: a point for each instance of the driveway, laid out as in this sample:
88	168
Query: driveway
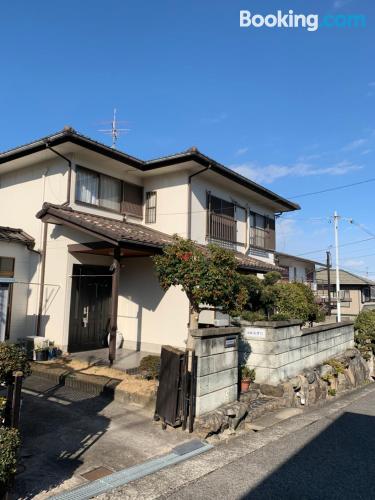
66	433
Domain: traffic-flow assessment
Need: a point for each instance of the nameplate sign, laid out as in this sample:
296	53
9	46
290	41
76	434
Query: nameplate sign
252	332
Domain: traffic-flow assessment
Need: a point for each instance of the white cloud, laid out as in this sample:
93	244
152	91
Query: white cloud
358	143
371	84
366	151
241	151
272	172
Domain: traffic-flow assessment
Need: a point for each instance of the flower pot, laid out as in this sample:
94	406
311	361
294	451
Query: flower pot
41	355
245	384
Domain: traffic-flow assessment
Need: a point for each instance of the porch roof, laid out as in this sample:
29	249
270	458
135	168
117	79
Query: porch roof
127	234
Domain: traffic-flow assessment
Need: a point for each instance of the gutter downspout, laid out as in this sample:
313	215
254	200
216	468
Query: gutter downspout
44	244
190	200
69	173
42	275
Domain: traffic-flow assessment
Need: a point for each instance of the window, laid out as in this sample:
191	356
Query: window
6	267
262	231
150	207
93	188
132	203
221	224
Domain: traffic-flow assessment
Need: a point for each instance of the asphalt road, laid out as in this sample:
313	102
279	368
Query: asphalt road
324	453
333	457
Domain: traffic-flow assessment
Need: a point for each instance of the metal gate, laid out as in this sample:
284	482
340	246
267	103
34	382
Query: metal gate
175	401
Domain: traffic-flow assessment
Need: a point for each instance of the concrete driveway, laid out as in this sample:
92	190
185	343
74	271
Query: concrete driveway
66	433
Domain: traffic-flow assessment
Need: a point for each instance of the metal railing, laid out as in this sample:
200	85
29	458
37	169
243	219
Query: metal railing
221	228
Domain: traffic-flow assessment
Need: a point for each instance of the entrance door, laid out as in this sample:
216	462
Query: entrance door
89	308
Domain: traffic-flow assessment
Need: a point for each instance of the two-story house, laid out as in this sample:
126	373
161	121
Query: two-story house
95	216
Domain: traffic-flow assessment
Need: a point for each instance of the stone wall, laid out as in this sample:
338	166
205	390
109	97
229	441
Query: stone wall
279	350
217	367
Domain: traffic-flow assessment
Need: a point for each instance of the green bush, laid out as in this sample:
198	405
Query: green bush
151	365
9	443
279	300
12	358
365	332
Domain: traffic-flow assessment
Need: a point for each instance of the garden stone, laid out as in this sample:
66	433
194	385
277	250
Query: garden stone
275	391
310	376
325	370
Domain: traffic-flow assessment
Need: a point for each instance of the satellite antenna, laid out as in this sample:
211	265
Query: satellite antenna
114	131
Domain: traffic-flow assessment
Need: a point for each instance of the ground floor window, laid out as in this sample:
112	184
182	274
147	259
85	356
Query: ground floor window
5	302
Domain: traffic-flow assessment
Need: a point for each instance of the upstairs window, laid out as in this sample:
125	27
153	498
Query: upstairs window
151	207
221	223
109	193
6	267
262	231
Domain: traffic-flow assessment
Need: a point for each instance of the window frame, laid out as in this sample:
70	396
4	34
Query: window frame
150	209
122	201
9	274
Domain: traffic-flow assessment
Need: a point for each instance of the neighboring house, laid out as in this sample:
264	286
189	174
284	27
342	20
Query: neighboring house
356	292
97	215
297	269
17	263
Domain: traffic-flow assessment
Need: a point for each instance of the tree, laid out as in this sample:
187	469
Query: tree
365	332
208	276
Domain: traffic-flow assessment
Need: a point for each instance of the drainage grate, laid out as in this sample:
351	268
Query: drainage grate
96	473
124	476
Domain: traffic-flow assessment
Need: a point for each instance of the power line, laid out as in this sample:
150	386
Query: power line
342	245
336	188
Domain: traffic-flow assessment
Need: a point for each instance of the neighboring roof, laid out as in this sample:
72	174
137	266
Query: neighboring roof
118	232
13	235
68	134
295	257
346	278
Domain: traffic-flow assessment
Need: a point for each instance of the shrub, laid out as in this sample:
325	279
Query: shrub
151	365
365	332
9	443
253	316
337	365
12	358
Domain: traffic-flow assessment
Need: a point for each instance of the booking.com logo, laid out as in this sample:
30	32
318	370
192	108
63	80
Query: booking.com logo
309	21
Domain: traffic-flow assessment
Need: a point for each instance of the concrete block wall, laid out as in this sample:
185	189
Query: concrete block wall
217	367
282	349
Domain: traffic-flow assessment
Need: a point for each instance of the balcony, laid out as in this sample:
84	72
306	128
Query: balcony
221	229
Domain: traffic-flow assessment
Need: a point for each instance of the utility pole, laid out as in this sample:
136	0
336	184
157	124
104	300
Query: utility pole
336	218
329	281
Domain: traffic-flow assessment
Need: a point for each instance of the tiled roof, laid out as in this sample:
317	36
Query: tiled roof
121	231
14	235
346	278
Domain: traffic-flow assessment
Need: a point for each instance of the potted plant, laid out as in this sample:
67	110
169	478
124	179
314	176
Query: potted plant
247	377
41	354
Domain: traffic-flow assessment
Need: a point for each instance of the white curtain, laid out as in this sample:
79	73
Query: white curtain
87	187
110	193
4	295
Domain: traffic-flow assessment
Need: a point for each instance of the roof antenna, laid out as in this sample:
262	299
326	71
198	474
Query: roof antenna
114	131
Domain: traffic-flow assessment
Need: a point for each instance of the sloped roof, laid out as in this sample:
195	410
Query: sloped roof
346	278
68	134
295	257
123	232
15	235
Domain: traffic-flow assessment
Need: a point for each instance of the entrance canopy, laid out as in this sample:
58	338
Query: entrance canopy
128	238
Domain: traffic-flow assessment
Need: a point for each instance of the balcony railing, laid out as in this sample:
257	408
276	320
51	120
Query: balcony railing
221	228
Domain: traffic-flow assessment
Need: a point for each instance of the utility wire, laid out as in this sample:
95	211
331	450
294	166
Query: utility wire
335	188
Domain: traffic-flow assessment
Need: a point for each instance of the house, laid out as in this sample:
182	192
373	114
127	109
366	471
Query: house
356	292
17	259
297	269
97	215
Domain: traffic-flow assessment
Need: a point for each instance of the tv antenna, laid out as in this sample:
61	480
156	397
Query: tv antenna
114	131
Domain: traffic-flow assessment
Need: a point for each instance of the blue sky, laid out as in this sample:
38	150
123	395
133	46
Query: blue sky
291	109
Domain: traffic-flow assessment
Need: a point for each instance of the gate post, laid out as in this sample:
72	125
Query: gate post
217	377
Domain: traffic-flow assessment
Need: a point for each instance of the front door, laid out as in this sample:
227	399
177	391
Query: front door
89	308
